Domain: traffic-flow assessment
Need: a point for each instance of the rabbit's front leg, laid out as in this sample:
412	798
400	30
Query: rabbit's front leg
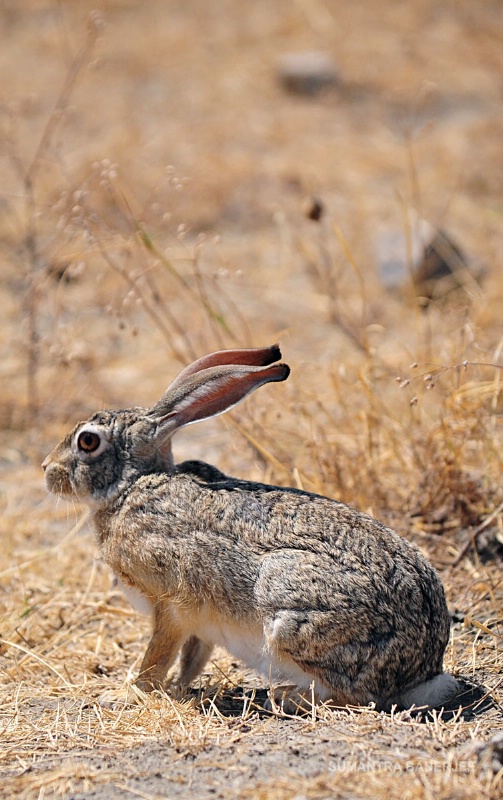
162	650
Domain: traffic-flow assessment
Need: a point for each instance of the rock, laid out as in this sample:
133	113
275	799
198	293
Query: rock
308	73
392	253
442	268
436	264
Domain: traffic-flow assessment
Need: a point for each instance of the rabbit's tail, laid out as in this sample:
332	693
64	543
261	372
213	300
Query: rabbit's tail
432	693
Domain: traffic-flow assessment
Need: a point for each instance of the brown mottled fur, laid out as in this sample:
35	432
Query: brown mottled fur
294	583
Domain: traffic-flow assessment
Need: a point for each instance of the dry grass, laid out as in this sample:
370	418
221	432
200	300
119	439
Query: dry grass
117	268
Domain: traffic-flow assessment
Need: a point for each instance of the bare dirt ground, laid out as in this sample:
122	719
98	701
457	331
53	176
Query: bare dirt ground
156	204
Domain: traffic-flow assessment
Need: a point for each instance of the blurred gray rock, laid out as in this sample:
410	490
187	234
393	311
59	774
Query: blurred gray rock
432	260
392	251
308	73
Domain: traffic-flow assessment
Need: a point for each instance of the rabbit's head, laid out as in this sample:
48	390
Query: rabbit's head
99	458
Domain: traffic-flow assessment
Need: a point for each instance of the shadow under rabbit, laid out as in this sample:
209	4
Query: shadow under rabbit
471	702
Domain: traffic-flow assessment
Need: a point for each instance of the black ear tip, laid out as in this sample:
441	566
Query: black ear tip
287	371
283	371
274	354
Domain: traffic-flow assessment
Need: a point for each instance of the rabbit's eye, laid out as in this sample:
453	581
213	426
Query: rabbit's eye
88	441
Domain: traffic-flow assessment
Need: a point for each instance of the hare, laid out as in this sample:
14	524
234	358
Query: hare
308	591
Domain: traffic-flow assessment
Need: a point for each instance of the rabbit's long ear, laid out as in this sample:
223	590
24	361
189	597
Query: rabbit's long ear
252	357
208	392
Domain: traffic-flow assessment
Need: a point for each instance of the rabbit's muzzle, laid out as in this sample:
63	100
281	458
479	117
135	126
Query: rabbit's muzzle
56	478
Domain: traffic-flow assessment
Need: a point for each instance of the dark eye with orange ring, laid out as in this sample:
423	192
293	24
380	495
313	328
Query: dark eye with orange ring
88	441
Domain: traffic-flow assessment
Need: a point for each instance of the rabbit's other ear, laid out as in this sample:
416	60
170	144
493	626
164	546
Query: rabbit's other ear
252	357
209	392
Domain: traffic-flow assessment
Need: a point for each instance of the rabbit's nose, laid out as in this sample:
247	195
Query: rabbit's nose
45	463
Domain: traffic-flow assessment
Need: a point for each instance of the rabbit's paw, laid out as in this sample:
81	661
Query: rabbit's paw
289	701
128	695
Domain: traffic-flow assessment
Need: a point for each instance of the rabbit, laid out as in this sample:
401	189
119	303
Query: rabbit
308	591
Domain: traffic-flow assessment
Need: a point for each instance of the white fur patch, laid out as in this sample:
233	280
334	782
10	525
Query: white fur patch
250	646
140	603
432	693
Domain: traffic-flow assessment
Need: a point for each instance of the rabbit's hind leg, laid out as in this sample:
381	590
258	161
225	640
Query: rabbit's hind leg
299	645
